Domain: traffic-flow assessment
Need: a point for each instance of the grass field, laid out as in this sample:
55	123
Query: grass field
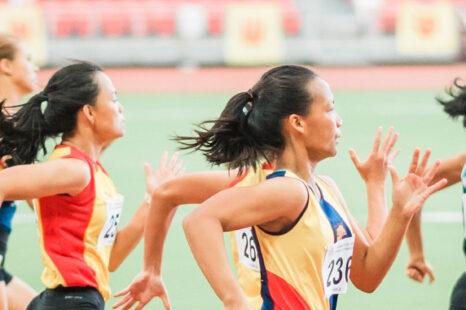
152	118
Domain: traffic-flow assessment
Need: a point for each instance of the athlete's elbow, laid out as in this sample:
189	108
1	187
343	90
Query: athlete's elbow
367	286
113	266
189	223
165	194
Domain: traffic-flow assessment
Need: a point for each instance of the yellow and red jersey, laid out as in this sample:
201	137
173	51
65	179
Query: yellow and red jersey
76	233
291	261
242	243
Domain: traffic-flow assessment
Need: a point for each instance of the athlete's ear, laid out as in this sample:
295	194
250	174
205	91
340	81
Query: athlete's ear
88	112
295	122
6	67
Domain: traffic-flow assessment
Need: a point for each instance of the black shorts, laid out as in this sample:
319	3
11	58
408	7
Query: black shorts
69	298
458	296
5	276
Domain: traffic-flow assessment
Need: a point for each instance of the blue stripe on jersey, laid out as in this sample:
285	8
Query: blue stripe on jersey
265	293
333	217
333	302
7	211
276	173
335	221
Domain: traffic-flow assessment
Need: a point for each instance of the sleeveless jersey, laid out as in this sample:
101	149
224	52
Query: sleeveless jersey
291	261
76	233
242	243
7	211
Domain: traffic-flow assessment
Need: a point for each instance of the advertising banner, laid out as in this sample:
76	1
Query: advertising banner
253	34
27	22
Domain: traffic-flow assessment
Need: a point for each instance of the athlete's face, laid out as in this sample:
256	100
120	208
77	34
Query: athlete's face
23	71
108	112
322	122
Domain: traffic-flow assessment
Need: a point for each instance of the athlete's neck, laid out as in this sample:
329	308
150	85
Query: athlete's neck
84	146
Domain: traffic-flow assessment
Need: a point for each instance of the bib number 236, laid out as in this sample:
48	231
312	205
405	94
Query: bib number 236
336	267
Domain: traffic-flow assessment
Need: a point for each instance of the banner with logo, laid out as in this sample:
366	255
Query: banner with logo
253	34
427	29
27	22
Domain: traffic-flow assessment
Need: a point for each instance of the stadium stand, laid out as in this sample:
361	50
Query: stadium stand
141	17
388	13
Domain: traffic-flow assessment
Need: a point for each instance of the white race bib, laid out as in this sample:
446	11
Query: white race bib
247	250
109	230
336	267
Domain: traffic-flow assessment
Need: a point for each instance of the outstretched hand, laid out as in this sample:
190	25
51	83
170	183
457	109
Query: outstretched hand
375	168
164	173
410	193
144	287
417	269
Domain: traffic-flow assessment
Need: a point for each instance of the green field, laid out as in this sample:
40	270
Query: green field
153	118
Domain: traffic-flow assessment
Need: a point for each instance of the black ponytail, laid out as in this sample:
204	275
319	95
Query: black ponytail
49	113
456	106
249	128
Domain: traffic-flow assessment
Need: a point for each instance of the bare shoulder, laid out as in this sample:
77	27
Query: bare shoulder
74	173
284	190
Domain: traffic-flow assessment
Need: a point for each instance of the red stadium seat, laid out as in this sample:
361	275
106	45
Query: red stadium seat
159	17
69	18
141	17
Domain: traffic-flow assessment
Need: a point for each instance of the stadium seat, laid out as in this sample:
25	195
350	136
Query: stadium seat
159	17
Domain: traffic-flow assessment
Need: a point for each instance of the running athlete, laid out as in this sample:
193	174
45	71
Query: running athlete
307	241
453	170
78	208
144	287
18	78
198	187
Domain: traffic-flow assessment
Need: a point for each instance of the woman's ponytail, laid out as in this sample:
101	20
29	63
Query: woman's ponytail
456	106
229	140
24	132
250	127
49	113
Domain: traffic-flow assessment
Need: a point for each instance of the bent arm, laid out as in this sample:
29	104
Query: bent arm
189	189
372	260
450	169
233	209
128	237
60	176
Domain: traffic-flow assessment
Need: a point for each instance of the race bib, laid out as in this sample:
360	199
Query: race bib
109	230
336	267
247	250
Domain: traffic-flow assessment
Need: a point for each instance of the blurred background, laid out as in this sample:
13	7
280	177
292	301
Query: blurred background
241	32
177	62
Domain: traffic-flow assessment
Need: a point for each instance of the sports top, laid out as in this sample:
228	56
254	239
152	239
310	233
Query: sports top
76	233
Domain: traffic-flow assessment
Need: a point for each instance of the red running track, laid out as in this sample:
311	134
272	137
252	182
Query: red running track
228	79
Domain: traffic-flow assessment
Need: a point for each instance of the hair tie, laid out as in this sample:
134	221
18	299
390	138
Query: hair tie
248	106
44	101
251	94
43	106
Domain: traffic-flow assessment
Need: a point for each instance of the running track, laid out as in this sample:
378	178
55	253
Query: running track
225	79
